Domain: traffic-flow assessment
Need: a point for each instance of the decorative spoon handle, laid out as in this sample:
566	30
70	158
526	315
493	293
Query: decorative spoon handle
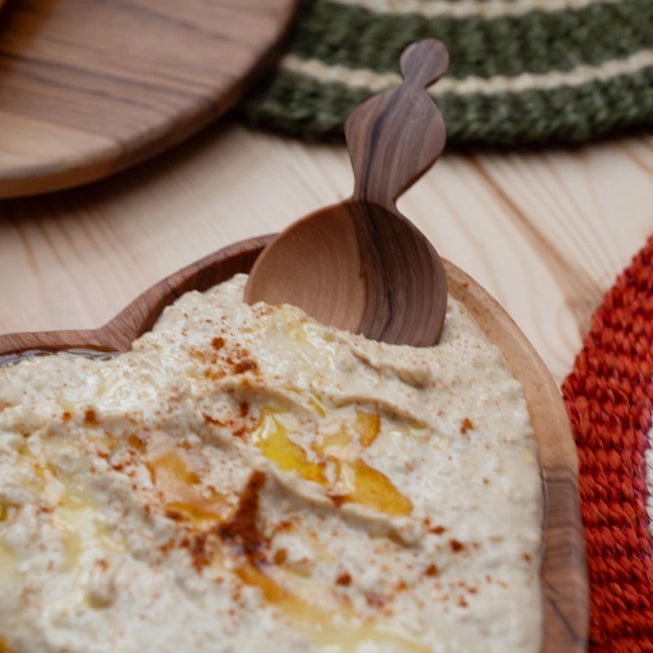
394	137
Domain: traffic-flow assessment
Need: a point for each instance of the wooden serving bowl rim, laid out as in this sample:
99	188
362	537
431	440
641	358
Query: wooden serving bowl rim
563	571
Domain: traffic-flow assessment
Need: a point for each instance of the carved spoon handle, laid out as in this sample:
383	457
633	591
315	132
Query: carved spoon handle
394	137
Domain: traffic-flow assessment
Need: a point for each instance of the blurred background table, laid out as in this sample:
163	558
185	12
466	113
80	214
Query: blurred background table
546	232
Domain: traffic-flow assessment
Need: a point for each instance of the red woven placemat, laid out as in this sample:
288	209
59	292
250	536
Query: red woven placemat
609	399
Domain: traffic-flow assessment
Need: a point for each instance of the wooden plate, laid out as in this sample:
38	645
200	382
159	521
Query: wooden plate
88	87
563	574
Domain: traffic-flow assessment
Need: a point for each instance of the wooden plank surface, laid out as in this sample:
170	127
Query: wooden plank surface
76	104
545	232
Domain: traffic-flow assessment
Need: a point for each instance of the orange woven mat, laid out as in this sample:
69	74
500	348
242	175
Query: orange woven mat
609	398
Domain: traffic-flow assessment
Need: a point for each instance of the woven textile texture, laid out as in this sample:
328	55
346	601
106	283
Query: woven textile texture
521	71
609	398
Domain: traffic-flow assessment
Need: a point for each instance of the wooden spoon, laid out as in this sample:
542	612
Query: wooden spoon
360	265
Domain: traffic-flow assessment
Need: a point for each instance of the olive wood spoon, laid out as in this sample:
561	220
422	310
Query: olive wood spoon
360	265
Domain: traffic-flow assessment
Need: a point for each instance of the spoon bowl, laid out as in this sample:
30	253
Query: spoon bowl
361	265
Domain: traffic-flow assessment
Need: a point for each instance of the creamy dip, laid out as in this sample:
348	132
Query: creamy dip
246	479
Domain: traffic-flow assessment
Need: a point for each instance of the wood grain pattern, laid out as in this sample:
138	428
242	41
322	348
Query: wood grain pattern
393	138
140	315
563	572
88	88
546	232
361	265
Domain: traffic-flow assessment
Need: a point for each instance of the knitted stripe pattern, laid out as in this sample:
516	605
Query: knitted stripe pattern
609	399
521	71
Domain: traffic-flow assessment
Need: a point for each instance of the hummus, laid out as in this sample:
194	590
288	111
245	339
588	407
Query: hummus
246	479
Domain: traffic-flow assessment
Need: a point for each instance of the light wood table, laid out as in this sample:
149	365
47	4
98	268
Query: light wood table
545	232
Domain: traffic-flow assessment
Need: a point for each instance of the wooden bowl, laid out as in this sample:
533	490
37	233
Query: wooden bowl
563	573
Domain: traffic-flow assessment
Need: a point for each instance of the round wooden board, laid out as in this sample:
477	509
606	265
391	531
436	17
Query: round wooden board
88	88
563	573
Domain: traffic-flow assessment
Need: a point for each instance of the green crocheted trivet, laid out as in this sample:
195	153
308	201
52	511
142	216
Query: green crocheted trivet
521	72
